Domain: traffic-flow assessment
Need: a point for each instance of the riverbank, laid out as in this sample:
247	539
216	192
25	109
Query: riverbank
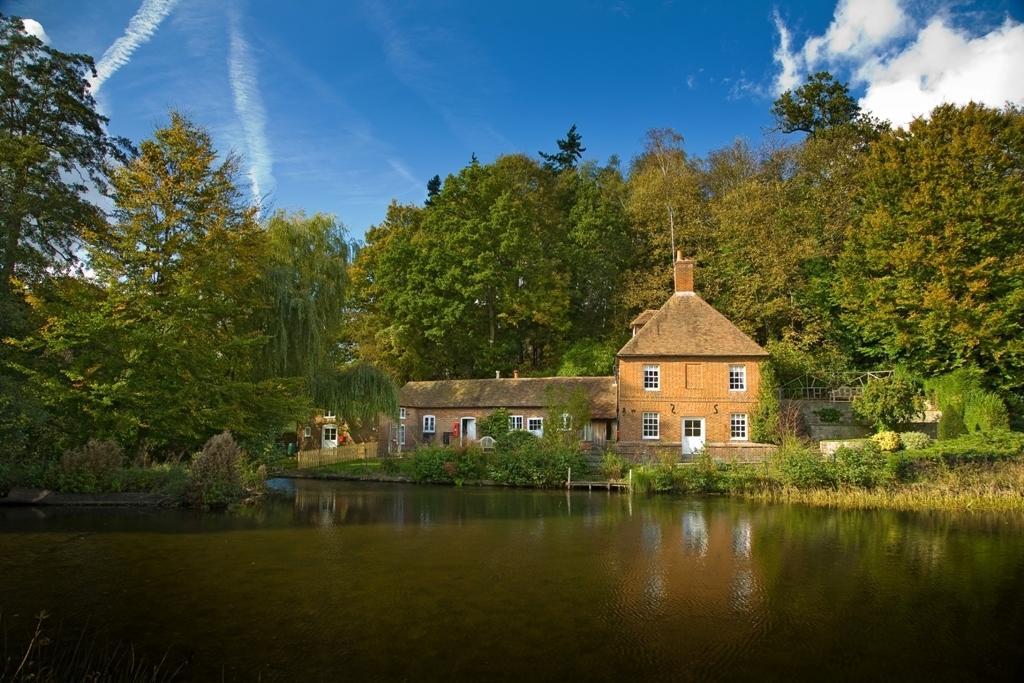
976	472
46	497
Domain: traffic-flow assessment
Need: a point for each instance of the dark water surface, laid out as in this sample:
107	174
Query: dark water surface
344	581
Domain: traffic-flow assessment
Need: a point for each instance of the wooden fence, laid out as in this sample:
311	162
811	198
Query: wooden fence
319	457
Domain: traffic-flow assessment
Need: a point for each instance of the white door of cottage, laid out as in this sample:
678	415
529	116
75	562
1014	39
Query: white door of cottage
468	429
329	437
693	435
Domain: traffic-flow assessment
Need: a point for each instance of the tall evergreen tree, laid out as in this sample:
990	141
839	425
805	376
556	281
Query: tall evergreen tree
53	144
820	103
570	151
433	187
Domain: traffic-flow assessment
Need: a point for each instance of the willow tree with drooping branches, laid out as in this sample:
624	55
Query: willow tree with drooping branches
306	281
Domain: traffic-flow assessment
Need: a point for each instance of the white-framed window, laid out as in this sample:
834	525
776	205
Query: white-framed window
515	422
652	377
307	432
429	424
738	427
328	413
566	422
535	425
401	435
651	426
737	378
330	433
401	413
588	431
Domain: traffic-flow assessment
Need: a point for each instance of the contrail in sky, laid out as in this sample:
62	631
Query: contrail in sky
140	29
249	108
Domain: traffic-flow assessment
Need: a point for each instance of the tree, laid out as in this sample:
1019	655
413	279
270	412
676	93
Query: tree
820	103
570	151
931	273
53	147
473	284
663	192
888	402
161	350
306	282
433	187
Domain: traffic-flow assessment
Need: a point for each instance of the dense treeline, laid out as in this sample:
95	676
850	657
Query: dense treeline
178	314
857	246
181	312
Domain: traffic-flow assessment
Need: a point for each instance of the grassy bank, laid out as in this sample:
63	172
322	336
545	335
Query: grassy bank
220	474
976	472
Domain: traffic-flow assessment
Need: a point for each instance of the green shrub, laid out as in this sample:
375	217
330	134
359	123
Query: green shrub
978	447
802	467
951	424
984	411
428	464
654	478
494	425
613	465
915	441
765	425
6	477
829	415
90	468
899	466
170	479
861	467
887	441
965	404
888	401
215	473
520	461
443	464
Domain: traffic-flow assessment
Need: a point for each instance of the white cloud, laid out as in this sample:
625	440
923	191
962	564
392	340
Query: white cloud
249	108
907	68
942	65
858	28
789	68
34	28
140	29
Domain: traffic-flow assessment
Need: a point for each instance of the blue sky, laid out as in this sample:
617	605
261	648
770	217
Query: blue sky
343	106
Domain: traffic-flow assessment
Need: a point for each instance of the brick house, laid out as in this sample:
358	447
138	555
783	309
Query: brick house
688	378
686	381
447	411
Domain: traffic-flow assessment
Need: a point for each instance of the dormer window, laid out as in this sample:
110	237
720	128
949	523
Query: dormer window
328	413
652	377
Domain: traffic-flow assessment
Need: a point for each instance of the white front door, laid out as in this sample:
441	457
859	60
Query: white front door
468	429
693	435
330	437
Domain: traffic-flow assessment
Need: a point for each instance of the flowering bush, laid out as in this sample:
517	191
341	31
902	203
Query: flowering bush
887	441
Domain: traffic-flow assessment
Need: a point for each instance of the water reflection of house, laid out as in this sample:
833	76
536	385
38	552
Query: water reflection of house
706	561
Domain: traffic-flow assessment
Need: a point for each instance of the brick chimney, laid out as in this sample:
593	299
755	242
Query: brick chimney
684	274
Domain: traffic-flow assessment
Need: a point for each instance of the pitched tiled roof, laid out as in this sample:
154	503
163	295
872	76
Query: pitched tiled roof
643	317
688	326
526	392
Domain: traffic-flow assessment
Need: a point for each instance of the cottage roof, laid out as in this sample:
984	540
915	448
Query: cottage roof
689	326
525	392
643	317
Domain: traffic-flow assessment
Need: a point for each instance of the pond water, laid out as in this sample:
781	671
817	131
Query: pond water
336	580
